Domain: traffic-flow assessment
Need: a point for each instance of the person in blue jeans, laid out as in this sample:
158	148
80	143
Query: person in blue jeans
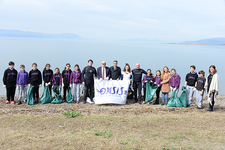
22	84
191	79
165	89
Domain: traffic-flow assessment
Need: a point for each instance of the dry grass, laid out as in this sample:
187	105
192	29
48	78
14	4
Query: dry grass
105	131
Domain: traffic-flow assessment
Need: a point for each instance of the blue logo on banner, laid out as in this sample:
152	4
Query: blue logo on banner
112	90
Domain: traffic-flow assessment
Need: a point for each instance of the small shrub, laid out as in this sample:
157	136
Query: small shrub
72	114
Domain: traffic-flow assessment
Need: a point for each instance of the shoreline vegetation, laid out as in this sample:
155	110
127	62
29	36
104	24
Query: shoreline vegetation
196	44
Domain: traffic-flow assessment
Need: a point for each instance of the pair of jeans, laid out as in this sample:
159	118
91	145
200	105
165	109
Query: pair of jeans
157	95
189	93
65	88
76	92
199	98
22	93
36	92
164	97
137	87
10	92
86	87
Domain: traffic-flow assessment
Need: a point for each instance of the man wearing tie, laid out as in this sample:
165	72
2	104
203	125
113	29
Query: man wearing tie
115	71
103	72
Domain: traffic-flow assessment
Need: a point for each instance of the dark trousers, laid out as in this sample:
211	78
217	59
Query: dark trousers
86	87
65	88
211	106
157	95
137	87
10	92
36	92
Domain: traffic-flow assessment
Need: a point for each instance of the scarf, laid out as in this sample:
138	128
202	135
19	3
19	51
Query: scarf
214	88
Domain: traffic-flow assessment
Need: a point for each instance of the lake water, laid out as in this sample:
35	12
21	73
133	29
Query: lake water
149	55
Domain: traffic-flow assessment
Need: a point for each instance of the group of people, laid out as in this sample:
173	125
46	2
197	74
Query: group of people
165	80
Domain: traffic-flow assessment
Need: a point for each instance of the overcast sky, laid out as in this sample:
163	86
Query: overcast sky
174	20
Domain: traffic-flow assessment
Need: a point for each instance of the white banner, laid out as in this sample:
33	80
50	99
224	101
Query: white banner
111	91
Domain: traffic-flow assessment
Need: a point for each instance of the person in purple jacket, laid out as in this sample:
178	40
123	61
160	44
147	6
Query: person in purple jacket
22	84
75	83
174	81
158	82
147	78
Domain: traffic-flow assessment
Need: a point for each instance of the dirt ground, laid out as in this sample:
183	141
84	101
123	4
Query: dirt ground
125	127
104	109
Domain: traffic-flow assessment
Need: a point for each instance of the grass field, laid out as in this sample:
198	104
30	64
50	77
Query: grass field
104	131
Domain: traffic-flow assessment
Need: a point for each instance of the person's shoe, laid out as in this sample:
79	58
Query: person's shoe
198	107
84	102
135	102
165	103
12	102
7	102
90	101
25	101
188	105
77	102
155	103
148	103
19	102
162	104
63	101
208	110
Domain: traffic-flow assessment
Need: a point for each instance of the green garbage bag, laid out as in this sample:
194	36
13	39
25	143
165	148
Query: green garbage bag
46	96
183	97
30	99
174	100
57	92
69	97
150	91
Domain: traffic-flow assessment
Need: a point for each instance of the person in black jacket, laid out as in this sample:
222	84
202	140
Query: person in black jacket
9	81
47	77
35	80
88	75
66	80
137	82
115	71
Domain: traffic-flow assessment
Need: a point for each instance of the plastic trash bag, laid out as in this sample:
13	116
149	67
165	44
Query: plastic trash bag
46	96
57	92
183	97
174	100
30	99
69	97
150	91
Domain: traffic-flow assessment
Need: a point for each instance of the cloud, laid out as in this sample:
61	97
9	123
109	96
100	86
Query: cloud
114	19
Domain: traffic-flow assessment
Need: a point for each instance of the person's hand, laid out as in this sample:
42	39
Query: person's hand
83	83
81	86
161	82
154	82
46	84
28	85
174	89
194	89
49	83
146	81
107	78
62	84
117	79
40	85
4	86
71	85
17	87
201	93
100	79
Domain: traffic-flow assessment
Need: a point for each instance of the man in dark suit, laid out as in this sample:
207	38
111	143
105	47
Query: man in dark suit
103	72
115	71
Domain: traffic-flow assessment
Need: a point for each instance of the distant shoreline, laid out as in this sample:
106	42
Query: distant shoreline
195	44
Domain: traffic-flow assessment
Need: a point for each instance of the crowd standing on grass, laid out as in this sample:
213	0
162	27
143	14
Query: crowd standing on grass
167	82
